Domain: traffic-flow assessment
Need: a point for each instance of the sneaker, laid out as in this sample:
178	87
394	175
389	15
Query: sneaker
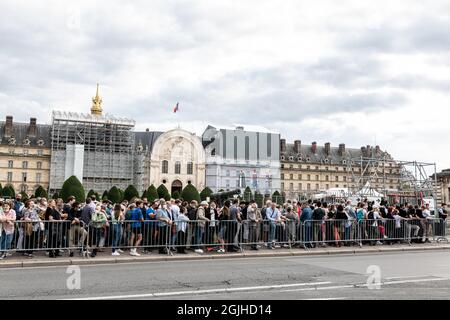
385	237
379	243
221	250
115	253
8	254
198	251
134	253
119	250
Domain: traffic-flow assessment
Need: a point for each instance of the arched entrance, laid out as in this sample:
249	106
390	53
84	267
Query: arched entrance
177	185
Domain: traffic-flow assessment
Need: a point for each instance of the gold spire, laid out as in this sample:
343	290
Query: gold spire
96	109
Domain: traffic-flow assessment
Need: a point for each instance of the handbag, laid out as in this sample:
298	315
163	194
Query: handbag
28	228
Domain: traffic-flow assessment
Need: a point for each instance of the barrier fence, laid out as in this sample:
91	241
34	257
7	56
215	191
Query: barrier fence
220	236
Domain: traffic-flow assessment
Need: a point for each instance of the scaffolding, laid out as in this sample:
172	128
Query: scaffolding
108	144
396	180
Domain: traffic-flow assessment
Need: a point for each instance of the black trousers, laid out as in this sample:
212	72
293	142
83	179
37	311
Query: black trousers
181	241
162	239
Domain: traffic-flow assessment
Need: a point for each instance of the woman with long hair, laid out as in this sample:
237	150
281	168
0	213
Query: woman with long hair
117	218
30	222
53	218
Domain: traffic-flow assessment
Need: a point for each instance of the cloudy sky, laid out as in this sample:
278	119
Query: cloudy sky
358	72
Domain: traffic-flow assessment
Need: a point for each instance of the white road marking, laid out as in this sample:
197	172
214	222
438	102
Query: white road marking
365	285
218	290
319	299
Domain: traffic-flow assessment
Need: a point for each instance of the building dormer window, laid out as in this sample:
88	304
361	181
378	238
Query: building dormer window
40	142
12	141
26	141
291	158
282	158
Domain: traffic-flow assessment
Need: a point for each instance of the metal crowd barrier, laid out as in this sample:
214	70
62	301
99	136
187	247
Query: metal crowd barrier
219	236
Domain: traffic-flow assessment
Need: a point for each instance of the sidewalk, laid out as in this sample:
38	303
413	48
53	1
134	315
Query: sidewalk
17	260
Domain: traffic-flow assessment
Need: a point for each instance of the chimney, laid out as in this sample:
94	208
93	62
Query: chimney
8	126
327	148
363	151
32	129
147	130
283	145
297	145
314	147
377	150
341	149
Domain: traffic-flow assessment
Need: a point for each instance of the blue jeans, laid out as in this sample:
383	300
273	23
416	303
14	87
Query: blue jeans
117	235
272	229
6	240
198	236
308	233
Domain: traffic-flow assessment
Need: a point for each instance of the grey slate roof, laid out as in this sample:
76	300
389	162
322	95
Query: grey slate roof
320	156
147	139
20	133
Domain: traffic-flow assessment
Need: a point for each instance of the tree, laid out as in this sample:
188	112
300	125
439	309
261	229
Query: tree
221	190
114	195
24	196
41	192
130	193
248	194
207	192
190	193
152	193
72	187
176	194
163	192
105	195
259	199
276	197
122	195
8	192
91	193
144	194
1	188
97	196
55	195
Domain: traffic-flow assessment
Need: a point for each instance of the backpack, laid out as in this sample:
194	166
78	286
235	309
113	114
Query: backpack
370	216
318	214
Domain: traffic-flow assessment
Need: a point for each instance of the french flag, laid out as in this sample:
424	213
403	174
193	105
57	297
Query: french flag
175	109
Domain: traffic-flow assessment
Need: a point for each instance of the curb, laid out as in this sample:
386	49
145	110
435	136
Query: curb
106	260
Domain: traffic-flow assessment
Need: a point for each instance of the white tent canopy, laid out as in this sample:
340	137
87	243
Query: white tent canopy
368	191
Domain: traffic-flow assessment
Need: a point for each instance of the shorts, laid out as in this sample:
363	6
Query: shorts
136	230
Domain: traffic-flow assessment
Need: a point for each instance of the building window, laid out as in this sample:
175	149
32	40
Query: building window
24	188
308	186
291	186
291	176
345	179
165	166
337	169
269	145
235	148
227	183
317	187
40	153
317	168
25	165
247	148
282	176
337	186
39	165
213	152
300	177
190	168
327	178
317	178
300	186
282	186
228	173
337	178
24	177
10	164
327	186
308	177
308	167
38	177
10	176
177	167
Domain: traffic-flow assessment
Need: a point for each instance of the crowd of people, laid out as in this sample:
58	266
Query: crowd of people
177	226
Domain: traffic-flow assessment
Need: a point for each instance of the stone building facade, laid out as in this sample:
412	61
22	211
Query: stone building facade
310	169
24	155
443	186
174	158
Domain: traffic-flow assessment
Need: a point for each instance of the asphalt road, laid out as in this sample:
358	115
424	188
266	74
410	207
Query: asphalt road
418	275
